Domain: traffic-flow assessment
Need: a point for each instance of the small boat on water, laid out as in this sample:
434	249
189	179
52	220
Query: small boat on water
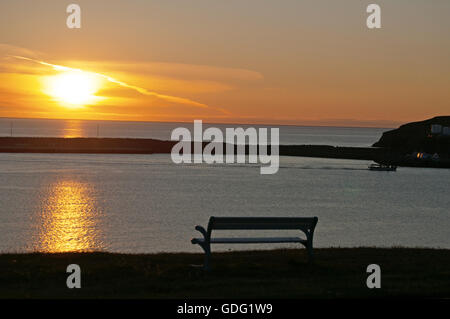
382	167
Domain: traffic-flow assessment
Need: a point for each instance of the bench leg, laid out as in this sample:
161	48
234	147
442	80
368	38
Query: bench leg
309	248
206	264
207	250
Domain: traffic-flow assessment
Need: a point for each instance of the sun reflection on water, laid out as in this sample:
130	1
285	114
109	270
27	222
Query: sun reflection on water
70	219
73	129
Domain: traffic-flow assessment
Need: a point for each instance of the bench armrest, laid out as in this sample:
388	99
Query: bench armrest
201	230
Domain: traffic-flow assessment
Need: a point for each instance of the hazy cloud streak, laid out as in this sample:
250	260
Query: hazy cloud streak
142	91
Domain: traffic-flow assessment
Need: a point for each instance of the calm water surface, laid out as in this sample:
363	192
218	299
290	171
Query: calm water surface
145	203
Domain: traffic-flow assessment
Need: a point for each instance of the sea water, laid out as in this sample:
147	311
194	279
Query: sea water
145	203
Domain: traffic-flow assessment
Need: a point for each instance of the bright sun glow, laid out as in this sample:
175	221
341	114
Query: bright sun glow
73	88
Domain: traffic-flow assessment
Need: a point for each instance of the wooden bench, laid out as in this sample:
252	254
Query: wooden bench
304	224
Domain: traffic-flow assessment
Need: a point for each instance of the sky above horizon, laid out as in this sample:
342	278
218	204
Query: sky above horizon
253	61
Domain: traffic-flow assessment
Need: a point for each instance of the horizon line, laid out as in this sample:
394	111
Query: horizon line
398	123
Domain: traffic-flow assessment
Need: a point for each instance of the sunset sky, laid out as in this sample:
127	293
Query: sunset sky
245	61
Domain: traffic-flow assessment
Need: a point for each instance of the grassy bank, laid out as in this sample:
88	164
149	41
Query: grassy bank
252	274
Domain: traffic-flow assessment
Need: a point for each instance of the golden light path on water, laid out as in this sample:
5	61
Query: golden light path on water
73	129
69	219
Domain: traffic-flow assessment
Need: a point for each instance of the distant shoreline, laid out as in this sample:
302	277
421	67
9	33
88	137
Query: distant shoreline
154	146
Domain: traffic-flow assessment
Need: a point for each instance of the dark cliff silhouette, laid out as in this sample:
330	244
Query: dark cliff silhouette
418	137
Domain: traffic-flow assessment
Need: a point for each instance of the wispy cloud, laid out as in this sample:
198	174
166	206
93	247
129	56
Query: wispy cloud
141	90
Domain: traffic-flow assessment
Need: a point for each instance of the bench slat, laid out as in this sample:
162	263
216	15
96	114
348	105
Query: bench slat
267	226
262	222
252	240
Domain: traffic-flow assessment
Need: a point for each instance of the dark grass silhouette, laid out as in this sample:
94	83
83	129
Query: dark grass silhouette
337	272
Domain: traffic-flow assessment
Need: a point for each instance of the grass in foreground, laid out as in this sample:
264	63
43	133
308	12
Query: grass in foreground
337	272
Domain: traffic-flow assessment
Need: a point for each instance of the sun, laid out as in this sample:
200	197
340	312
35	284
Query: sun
74	88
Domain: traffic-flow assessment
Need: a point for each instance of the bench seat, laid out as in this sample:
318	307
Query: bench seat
251	240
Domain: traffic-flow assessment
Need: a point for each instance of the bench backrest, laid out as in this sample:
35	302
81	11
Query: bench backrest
306	224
